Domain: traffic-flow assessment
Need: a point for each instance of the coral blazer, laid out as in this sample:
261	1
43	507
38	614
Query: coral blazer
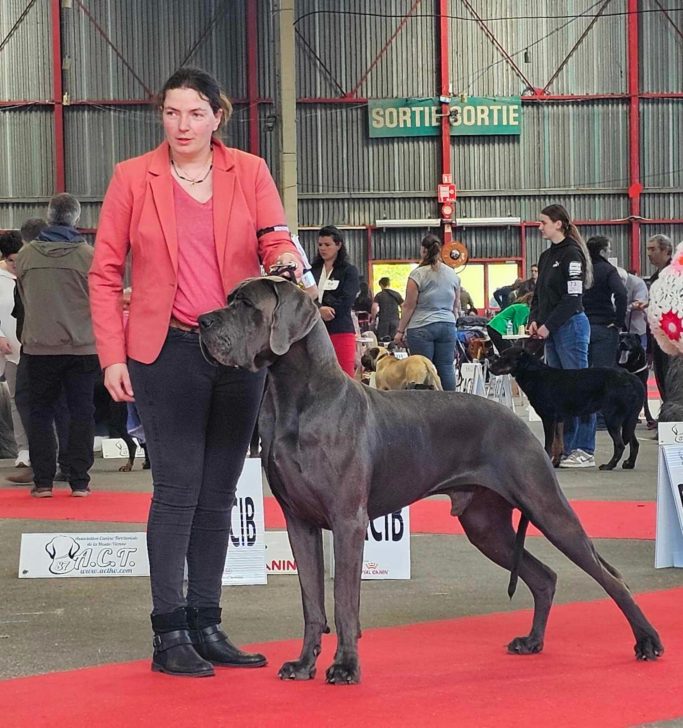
138	214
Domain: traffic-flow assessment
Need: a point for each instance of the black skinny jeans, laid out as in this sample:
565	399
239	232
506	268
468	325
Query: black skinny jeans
198	420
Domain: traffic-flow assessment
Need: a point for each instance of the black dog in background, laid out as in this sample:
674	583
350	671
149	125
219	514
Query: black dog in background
633	358
556	394
114	416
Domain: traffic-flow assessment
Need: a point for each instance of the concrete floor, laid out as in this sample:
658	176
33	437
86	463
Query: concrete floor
59	624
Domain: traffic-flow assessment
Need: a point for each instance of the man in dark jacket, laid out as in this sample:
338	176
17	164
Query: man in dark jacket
386	309
58	344
605	305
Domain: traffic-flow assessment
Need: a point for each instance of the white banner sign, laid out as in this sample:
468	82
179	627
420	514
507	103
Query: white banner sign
115	447
387	547
279	557
45	555
246	562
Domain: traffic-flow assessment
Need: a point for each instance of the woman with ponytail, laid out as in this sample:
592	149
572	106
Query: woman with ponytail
429	312
557	316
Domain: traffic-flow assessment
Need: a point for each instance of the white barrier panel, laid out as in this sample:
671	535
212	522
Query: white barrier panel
500	390
472	379
279	557
246	561
49	555
669	538
115	447
386	554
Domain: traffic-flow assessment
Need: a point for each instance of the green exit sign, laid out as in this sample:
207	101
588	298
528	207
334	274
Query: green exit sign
422	117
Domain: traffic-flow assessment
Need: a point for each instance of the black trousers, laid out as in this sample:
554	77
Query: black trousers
660	364
22	400
48	377
198	421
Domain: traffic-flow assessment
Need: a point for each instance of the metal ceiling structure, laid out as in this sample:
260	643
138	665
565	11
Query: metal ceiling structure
601	85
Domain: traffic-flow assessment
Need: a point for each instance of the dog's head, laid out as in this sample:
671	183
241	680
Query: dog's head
631	353
511	361
262	320
372	356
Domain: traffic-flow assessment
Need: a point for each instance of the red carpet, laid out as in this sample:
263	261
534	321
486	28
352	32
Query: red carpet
449	673
601	519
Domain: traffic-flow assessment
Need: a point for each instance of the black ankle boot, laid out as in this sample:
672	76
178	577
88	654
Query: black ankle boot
213	644
174	652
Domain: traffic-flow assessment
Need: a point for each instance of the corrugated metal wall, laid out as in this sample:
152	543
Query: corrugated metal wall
575	152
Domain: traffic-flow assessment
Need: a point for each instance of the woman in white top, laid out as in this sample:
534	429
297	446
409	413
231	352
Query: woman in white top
429	312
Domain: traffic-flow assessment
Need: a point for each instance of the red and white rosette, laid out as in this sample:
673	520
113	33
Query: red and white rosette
665	310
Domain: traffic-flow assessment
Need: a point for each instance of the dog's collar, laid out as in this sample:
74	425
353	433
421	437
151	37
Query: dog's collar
382	356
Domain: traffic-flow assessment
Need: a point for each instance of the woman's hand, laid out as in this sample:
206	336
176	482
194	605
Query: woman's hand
117	382
327	313
532	328
285	258
542	332
399	338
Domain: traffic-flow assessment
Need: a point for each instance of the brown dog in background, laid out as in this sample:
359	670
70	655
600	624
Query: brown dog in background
413	372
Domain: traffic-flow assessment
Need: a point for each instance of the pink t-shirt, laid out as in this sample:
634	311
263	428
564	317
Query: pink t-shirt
200	288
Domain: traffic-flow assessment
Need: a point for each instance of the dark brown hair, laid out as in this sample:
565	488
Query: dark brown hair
205	85
558	212
431	247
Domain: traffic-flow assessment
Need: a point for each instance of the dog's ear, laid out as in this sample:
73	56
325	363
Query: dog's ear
294	315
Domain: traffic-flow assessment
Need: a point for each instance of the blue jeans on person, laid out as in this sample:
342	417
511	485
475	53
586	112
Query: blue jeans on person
198	421
567	348
437	342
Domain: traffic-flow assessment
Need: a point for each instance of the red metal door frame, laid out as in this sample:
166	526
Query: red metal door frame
57	96
635	186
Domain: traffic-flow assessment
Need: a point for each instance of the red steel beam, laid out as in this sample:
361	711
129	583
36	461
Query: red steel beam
384	48
57	96
252	77
582	37
635	186
445	84
490	35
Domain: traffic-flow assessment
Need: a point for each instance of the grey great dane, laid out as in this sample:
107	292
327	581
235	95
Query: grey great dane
338	454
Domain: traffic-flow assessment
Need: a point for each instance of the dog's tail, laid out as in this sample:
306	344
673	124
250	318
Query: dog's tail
517	554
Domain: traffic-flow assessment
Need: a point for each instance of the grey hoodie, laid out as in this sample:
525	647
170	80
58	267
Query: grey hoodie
52	276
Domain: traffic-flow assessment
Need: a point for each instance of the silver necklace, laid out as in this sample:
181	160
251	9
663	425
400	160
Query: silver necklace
192	181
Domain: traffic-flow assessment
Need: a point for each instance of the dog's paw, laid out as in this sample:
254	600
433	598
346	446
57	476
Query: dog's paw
628	465
606	466
296	670
525	646
346	672
125	468
648	648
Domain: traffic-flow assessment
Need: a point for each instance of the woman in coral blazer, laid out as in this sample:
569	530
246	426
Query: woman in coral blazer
197	218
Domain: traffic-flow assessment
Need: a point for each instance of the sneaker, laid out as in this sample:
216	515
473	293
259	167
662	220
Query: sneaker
23	460
80	492
41	492
578	459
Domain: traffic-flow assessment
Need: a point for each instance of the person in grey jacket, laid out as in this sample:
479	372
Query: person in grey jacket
58	344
